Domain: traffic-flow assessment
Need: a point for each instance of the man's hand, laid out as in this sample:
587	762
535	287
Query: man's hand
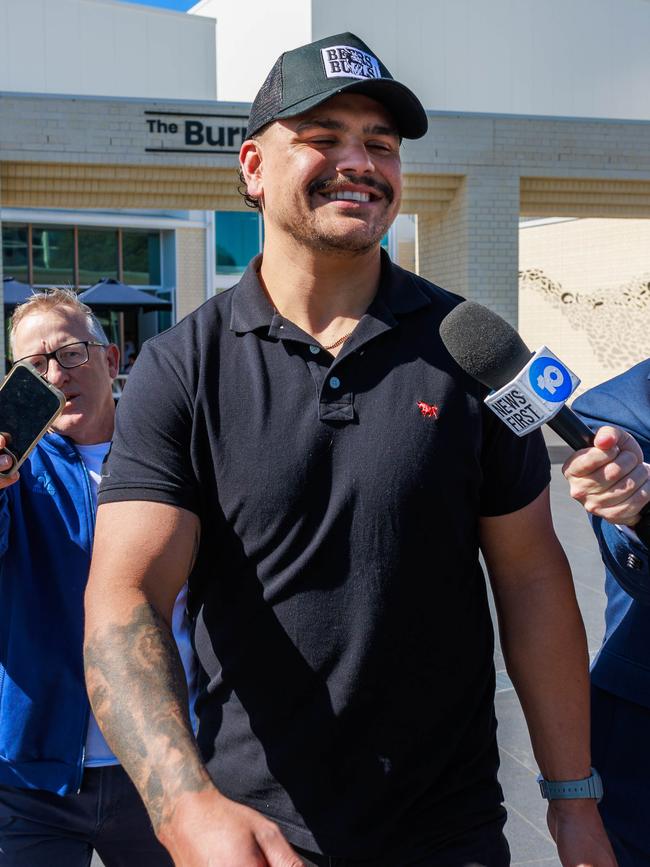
5	464
610	478
209	830
578	832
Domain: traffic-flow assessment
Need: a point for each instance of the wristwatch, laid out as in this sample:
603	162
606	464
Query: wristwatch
590	787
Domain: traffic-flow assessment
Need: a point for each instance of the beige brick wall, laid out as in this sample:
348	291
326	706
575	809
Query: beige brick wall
586	197
585	293
472	248
190	270
441	245
81	185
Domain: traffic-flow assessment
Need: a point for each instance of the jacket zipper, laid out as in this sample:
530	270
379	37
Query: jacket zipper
91	512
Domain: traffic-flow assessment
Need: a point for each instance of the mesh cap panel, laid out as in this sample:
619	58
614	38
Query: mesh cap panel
268	101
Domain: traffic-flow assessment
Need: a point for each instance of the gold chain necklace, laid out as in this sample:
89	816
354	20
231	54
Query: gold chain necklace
338	342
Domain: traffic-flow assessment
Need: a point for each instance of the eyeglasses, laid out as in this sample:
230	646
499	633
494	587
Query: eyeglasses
68	356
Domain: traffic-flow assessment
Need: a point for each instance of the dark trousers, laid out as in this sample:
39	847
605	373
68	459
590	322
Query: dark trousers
621	752
40	829
482	847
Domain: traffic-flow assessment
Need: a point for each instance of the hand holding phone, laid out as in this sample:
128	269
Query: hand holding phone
28	406
7	462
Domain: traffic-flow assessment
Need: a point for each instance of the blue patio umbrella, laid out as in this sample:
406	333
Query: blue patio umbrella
15	292
111	294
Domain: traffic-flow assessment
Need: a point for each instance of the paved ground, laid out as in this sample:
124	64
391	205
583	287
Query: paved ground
530	841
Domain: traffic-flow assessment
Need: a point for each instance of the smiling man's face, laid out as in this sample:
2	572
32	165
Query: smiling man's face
331	177
89	409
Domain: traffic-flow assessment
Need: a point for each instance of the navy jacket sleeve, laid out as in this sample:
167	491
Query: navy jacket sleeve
627	560
4	522
625	402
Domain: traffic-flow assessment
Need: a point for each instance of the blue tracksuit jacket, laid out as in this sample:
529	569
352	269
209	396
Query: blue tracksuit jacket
46	529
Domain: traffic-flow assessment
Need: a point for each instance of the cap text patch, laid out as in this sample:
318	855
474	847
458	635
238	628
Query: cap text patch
347	62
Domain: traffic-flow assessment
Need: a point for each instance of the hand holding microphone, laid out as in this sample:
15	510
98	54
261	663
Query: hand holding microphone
607	475
610	479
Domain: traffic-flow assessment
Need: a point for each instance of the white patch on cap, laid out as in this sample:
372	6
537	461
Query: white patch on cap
343	61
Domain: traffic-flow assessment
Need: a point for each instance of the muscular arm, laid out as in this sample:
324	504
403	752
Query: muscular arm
143	553
543	641
134	674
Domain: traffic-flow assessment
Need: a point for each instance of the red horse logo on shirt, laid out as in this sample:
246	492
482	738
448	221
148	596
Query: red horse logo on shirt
428	410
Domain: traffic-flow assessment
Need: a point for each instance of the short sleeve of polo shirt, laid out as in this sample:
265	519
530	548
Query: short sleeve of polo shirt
515	469
150	458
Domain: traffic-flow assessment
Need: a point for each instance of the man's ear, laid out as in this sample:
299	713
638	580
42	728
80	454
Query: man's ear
113	358
250	159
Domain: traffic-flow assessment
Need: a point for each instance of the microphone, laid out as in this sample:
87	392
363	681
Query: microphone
529	389
491	351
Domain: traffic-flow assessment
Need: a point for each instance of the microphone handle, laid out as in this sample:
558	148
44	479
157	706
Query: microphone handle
576	434
571	429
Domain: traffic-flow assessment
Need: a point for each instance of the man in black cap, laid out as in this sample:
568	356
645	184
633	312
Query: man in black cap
304	449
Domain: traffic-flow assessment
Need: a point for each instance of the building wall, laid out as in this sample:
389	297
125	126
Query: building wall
471	248
190	270
94	152
441	242
585	293
468	178
581	58
248	45
105	48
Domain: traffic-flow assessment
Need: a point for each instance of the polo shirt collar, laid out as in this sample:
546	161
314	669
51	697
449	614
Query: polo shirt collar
398	294
251	307
398	289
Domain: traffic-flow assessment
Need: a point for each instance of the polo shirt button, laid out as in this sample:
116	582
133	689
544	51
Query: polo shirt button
314	350
335	382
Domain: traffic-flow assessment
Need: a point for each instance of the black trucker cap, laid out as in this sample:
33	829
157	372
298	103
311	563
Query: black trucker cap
307	76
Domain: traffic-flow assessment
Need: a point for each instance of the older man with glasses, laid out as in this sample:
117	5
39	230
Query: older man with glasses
62	791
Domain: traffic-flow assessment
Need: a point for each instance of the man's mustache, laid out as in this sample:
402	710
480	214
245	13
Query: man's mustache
334	185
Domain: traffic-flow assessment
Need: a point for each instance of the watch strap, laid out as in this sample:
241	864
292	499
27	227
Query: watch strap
589	787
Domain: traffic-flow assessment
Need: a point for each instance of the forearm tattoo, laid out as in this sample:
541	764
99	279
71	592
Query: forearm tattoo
138	693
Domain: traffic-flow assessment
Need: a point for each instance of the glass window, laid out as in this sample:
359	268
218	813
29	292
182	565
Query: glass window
141	258
97	255
14	252
165	316
237	238
53	256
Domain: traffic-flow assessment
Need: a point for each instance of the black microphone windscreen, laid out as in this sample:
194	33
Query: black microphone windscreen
483	344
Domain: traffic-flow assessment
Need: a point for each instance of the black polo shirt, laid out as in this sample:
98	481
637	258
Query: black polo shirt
342	620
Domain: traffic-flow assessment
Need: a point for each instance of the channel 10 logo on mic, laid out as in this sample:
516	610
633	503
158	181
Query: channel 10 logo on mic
550	379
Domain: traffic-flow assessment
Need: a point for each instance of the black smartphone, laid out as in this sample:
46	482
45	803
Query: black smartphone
28	406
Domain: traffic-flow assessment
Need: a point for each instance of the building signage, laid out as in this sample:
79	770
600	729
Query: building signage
186	133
